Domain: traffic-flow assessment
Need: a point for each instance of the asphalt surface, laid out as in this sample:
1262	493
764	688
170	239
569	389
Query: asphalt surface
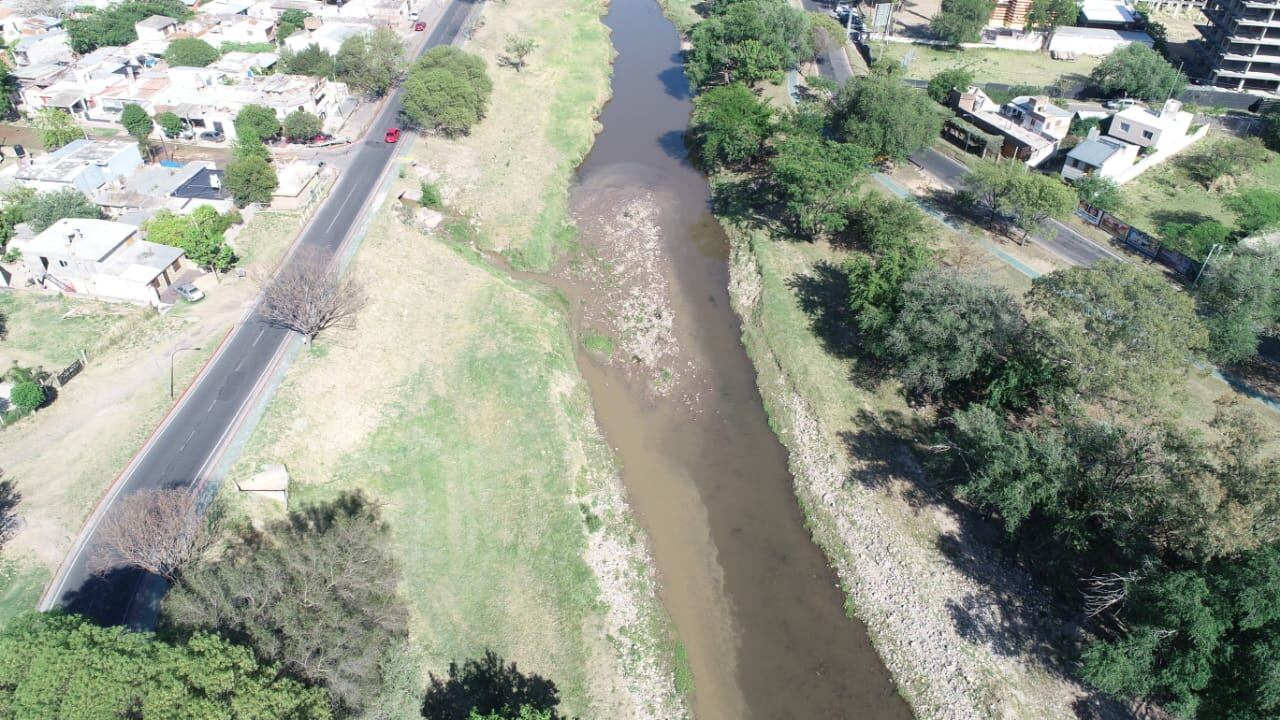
189	445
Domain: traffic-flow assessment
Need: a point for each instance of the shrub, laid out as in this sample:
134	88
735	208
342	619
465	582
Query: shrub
431	196
29	395
191	52
257	120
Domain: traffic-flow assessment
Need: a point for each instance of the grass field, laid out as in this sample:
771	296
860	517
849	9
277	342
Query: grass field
456	401
51	330
1012	67
511	174
1166	193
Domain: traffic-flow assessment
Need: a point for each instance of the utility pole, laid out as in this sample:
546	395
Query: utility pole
175	352
1216	247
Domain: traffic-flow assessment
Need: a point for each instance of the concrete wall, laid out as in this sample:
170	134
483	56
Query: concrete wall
1154	159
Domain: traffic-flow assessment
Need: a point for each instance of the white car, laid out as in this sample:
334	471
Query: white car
1122	104
189	292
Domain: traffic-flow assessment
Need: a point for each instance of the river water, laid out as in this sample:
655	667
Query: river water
753	601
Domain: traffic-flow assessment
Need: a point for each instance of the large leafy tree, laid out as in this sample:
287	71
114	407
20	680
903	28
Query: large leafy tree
315	592
886	116
136	122
8	87
1046	15
961	21
1239	297
748	41
45	209
301	126
895	238
371	64
63	666
1257	209
729	127
814	179
1035	198
950	330
942	83
257	120
290	21
251	180
201	235
447	90
114	24
311	60
190	52
1100	192
1136	70
55	128
1116	328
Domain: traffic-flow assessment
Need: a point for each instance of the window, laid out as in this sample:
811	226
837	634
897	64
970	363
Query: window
1124	126
1147	134
62	263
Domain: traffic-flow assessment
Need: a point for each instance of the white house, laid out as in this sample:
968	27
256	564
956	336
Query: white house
1099	155
1160	130
156	27
1031	126
328	36
210	99
1099	42
48	47
100	258
247	30
85	165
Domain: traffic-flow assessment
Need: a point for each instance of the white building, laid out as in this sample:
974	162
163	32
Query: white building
329	37
1164	129
85	165
1098	42
246	30
156	27
1100	156
210	99
48	47
101	259
1031	126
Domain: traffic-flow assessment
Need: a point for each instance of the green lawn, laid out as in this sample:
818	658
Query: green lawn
1166	193
1012	67
20	586
38	330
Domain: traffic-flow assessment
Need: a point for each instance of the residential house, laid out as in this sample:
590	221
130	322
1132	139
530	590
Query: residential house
387	12
34	82
240	64
101	259
85	165
328	36
1031	126
210	99
15	26
48	47
1160	130
156	27
179	189
245	30
1101	156
1098	42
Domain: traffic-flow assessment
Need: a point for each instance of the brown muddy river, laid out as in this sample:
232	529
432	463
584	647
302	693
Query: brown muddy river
752	598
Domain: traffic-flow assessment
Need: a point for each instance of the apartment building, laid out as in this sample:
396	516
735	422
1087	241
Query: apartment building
1242	42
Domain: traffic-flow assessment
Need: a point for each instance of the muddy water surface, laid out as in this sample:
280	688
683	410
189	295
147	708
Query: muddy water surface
753	600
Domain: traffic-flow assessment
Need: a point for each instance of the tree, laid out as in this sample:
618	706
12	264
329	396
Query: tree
748	41
1257	209
886	116
190	52
251	180
1238	298
489	687
290	21
729	127
309	296
314	592
201	235
312	61
1193	239
1271	128
64	666
55	127
257	120
961	21
8	88
895	238
159	531
1136	70
950	330
1035	198
371	64
518	48
302	126
1045	15
136	122
1116	326
113	26
45	209
247	146
170	123
943	82
1226	157
1100	192
447	90
814	177
28	395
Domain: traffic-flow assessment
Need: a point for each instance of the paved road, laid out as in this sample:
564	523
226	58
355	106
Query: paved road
186	450
1056	237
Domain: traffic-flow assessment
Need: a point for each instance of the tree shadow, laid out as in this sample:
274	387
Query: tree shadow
9	519
824	296
1160	218
745	201
488	685
673	79
673	144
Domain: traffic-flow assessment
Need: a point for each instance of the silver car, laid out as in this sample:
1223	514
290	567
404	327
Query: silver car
189	292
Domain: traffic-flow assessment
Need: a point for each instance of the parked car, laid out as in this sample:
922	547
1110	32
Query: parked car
393	135
1122	104
413	15
322	138
189	292
419	26
213	136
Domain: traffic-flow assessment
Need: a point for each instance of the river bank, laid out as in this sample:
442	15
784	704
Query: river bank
456	402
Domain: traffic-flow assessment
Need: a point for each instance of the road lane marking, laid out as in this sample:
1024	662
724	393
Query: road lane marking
338	214
258	336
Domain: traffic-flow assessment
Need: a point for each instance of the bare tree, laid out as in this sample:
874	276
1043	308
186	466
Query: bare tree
308	296
160	531
9	499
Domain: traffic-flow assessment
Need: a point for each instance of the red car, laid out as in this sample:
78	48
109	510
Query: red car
419	26
393	135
